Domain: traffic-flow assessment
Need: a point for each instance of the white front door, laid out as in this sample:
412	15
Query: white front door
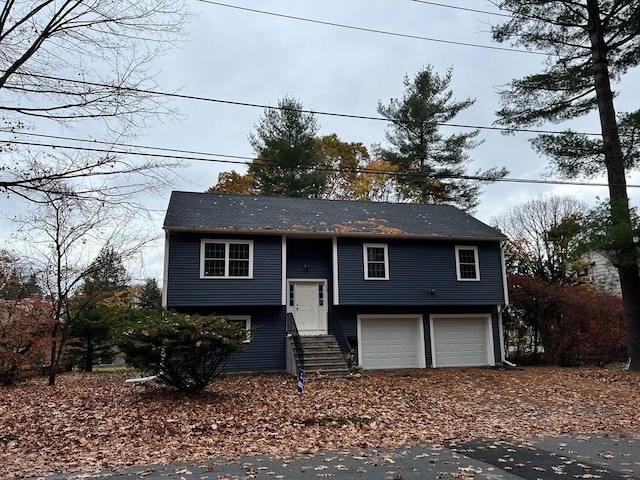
308	303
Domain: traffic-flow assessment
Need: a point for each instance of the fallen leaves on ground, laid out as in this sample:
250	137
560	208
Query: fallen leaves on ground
91	422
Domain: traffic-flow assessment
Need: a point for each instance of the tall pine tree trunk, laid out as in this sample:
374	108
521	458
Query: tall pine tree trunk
88	359
619	202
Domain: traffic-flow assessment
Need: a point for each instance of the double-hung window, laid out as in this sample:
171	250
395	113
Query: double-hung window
376	261
467	267
226	259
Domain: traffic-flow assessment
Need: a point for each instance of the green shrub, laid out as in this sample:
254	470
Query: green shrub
186	352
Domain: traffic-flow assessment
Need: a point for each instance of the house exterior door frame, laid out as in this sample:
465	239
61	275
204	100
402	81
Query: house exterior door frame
307	301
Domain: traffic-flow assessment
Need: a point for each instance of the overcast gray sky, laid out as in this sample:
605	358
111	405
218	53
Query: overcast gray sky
233	54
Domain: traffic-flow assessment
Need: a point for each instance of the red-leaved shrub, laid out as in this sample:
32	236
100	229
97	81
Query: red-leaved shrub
576	324
24	337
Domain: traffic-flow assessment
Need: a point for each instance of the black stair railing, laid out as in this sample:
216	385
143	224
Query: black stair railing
352	354
292	329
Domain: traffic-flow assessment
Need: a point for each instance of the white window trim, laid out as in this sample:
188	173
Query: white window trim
226	241
384	246
477	263
247	324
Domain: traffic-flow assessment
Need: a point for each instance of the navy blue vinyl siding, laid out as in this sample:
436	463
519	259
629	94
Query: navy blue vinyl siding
315	254
186	288
420	273
495	326
266	350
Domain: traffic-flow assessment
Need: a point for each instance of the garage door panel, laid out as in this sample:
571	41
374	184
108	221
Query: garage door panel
390	342
460	341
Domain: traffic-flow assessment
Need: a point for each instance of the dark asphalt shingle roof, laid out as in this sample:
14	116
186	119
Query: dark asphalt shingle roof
210	212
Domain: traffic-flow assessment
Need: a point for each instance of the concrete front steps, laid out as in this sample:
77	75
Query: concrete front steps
322	356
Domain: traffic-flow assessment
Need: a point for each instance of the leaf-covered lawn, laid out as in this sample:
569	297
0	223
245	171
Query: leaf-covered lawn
95	421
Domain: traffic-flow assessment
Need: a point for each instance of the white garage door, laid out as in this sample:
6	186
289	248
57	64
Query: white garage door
391	342
460	341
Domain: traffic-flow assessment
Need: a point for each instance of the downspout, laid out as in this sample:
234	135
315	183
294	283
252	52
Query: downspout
501	307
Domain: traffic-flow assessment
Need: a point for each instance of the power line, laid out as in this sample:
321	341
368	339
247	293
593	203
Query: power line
371	30
454	7
239	161
114	151
119	144
263	106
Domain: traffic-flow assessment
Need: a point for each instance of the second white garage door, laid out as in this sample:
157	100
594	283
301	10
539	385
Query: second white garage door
391	341
460	341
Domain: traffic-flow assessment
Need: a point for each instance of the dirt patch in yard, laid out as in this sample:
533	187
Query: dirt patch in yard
91	422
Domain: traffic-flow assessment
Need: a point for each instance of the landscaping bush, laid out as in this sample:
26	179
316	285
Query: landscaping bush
24	338
574	324
186	352
597	322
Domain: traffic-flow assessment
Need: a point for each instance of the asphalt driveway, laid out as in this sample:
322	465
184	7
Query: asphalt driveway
578	456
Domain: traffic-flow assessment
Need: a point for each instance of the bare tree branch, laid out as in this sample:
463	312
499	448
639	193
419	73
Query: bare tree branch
62	236
108	45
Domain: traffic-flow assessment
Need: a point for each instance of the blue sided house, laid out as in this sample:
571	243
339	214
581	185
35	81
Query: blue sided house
397	285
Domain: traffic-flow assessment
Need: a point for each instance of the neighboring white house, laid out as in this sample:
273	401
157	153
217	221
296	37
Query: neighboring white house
602	273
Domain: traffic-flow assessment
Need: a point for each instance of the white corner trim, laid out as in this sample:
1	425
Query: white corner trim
165	270
504	277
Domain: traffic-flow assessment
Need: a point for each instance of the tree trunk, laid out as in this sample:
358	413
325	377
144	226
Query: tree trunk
619	202
88	359
52	358
630	285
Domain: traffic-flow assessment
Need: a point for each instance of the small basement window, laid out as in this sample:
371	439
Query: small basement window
244	322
